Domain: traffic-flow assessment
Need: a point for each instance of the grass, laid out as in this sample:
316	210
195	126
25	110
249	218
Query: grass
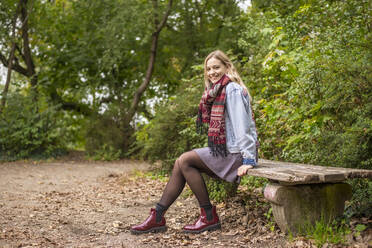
322	232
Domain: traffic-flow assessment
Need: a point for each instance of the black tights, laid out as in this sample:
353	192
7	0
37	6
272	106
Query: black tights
187	168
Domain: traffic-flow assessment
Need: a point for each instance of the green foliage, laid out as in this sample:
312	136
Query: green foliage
105	139
27	132
270	218
361	202
106	153
153	175
172	131
219	190
360	227
252	182
94	54
308	66
334	233
91	56
314	101
157	175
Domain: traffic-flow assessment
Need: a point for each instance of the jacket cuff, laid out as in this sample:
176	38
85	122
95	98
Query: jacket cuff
249	161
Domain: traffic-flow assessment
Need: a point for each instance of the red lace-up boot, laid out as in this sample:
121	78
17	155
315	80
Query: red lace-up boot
150	225
202	224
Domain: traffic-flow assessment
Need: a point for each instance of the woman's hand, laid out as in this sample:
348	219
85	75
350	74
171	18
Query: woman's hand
242	170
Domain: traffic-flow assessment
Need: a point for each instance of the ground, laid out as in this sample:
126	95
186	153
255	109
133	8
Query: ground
72	202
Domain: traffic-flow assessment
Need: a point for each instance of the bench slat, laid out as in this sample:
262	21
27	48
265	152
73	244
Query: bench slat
294	173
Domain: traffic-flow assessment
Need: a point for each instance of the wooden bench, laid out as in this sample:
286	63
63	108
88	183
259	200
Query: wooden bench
302	194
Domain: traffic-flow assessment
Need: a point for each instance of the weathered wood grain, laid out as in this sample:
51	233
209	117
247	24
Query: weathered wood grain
294	173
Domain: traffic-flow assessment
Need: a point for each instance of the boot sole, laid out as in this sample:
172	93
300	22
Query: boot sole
153	230
208	228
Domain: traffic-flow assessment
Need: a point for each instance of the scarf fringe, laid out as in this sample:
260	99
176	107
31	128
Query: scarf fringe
216	149
201	127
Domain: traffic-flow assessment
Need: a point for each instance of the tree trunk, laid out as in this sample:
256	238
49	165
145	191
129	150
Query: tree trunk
13	63
10	60
151	64
26	45
8	77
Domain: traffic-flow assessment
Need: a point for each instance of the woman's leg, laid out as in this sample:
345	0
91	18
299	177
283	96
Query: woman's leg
187	168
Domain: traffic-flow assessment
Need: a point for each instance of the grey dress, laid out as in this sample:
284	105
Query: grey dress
241	136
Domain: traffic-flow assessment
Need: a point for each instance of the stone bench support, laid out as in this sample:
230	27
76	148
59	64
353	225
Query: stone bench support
297	207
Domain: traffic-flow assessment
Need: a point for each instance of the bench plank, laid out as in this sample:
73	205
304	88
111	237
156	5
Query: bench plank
294	173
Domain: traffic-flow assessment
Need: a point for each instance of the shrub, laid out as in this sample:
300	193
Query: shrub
105	139
30	131
309	70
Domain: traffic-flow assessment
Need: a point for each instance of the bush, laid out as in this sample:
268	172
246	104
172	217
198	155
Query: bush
219	190
309	71
104	139
361	203
312	88
28	131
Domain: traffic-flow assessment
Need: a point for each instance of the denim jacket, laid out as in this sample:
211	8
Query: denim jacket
241	135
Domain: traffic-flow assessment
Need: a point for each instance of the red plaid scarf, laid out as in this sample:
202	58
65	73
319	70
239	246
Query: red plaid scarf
211	112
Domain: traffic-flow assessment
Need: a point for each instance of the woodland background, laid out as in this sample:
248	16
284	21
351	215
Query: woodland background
123	78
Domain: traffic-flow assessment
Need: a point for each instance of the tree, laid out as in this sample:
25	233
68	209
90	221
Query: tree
20	44
102	61
106	54
94	59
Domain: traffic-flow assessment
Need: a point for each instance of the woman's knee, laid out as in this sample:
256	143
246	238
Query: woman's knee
176	166
183	161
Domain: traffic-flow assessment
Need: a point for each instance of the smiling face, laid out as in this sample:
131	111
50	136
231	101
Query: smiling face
215	69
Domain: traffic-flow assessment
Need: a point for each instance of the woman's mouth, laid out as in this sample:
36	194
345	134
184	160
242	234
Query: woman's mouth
213	78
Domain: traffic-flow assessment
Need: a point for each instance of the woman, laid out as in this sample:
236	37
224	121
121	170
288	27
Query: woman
225	112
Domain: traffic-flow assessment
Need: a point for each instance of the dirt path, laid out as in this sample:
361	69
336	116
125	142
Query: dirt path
63	204
89	204
76	203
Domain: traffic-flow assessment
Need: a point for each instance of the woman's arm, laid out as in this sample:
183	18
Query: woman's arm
238	107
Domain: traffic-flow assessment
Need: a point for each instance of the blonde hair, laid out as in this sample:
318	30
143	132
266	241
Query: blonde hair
231	72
